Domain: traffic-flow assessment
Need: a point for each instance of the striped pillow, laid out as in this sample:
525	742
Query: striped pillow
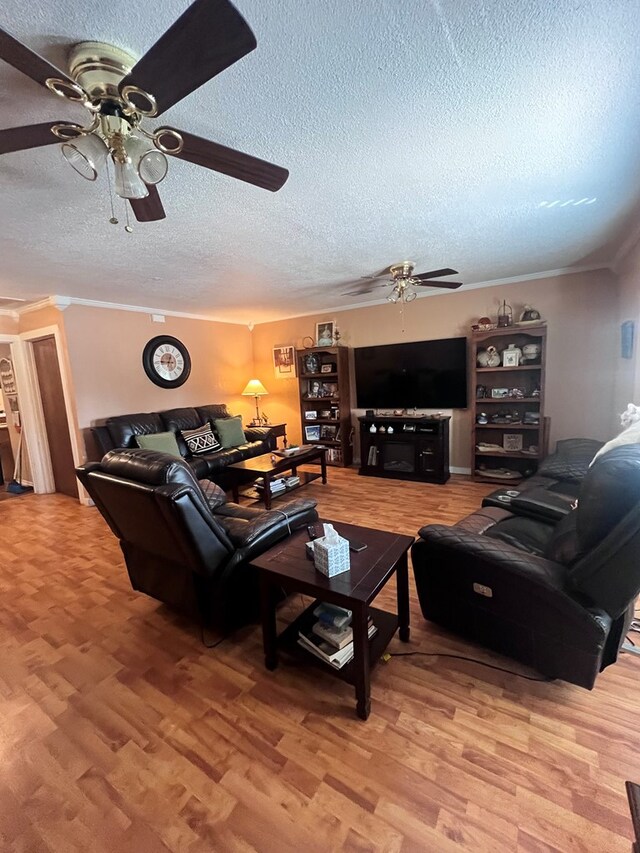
201	440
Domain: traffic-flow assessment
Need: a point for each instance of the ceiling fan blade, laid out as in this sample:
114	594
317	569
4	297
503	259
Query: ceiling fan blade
209	37
423	276
28	61
27	136
230	162
451	285
148	209
366	290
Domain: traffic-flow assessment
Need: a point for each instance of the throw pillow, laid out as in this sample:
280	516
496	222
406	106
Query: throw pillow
631	435
213	493
230	431
201	440
164	442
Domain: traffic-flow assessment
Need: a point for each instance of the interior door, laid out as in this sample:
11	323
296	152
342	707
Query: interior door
55	415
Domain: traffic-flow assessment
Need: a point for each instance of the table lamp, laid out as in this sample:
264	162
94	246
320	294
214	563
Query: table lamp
255	388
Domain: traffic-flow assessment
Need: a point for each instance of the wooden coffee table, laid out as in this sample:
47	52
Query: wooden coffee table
264	466
286	565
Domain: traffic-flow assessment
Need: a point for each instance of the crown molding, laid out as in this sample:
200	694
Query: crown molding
496	282
63	302
59	302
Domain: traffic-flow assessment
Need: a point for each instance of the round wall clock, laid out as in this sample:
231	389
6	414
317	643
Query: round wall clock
166	361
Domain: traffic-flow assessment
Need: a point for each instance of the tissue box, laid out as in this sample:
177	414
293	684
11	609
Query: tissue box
331	559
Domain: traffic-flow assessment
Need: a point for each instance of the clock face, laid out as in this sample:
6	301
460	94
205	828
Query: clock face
166	361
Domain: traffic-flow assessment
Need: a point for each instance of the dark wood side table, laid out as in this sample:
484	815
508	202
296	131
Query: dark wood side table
286	565
277	430
270	465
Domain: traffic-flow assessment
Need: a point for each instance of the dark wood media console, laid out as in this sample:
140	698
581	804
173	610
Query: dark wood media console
416	449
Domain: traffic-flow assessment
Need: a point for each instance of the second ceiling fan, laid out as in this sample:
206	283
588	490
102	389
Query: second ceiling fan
120	93
403	279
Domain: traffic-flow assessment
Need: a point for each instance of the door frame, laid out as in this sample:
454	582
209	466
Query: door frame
29	432
37	441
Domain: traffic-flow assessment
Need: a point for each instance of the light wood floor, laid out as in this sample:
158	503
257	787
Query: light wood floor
121	732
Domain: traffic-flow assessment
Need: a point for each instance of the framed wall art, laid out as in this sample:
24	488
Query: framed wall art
627	334
284	362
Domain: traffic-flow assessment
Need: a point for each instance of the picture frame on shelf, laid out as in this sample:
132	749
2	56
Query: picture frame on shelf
512	442
510	358
284	362
499	393
328	367
325	333
310	363
329	389
312	433
314	389
310	415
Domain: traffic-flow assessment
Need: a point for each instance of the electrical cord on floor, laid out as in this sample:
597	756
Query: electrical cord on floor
629	640
211	645
388	655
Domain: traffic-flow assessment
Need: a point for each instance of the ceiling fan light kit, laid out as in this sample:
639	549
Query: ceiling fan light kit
120	93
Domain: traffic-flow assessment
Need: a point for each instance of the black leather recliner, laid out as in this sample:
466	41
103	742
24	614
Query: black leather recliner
556	596
182	546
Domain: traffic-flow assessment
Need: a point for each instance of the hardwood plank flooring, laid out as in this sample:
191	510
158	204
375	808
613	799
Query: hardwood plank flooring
122	732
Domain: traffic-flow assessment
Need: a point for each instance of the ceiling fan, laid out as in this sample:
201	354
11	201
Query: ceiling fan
120	93
403	280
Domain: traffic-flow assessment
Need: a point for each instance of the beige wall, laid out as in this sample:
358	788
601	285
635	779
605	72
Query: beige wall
628	384
582	356
105	354
8	325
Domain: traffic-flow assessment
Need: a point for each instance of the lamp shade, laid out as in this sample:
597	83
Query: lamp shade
254	388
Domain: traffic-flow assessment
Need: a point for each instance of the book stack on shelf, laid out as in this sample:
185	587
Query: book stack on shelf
330	638
279	484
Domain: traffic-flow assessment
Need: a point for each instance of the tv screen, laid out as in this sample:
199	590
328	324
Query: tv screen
423	374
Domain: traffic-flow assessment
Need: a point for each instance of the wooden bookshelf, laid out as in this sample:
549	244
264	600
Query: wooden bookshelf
327	393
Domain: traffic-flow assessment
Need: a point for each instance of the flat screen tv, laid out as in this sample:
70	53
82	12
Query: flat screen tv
423	374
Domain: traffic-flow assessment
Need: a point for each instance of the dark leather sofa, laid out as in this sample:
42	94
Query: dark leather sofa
182	546
121	431
554	594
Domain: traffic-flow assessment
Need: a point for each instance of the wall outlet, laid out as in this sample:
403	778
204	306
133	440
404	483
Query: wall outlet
158	318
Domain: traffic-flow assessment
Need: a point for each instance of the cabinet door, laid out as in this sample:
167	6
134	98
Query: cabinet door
429	461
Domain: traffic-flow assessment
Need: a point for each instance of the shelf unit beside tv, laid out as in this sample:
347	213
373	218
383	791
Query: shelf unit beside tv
527	376
312	382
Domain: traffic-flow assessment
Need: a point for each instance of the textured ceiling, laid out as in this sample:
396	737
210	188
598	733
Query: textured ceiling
412	129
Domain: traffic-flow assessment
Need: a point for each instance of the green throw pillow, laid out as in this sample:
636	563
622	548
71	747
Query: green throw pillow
230	431
165	442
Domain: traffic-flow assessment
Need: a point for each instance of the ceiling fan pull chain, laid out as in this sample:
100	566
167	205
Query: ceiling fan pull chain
114	218
128	227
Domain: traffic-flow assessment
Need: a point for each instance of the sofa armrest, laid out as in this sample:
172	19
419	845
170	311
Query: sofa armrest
500	554
102	440
251	534
257	433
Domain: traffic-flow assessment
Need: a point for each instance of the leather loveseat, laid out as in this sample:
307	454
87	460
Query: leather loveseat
121	431
555	594
183	545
